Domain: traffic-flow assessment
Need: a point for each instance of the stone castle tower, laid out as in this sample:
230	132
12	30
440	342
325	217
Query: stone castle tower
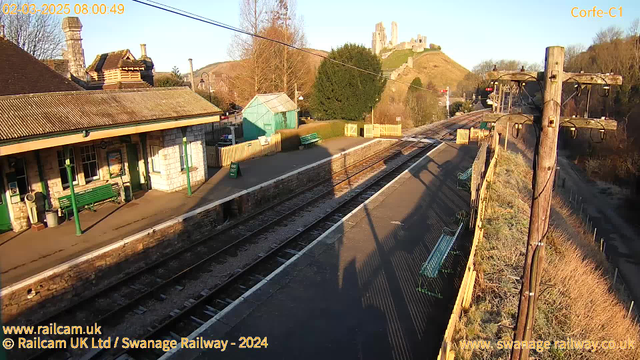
394	34
74	55
378	39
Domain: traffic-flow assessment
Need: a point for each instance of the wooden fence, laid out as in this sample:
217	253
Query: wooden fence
243	151
465	293
378	130
351	130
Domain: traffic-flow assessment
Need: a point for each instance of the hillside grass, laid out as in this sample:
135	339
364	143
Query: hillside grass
576	299
399	57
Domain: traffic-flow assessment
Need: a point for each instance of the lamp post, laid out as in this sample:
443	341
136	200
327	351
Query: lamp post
186	158
72	192
202	82
297	97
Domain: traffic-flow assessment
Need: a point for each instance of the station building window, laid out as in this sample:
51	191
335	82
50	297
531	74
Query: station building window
63	170
155	158
89	163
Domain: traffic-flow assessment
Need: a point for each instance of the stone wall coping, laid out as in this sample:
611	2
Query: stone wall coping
6	291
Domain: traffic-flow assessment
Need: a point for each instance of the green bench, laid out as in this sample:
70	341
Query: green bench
89	197
432	267
464	180
309	139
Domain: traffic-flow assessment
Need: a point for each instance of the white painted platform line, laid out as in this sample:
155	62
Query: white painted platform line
66	265
218	316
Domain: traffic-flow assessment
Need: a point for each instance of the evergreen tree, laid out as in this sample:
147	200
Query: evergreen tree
341	92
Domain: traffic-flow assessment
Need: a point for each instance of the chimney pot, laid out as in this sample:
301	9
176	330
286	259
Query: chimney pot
143	50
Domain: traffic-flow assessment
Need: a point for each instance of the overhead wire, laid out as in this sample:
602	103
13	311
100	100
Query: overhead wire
183	13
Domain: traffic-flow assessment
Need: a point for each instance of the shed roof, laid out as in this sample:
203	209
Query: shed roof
21	73
35	115
276	102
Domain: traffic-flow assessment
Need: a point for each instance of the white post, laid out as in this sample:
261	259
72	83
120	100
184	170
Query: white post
630	308
447	102
594	234
615	276
193	86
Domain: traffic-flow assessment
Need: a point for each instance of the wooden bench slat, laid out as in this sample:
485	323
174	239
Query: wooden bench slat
432	266
309	139
89	197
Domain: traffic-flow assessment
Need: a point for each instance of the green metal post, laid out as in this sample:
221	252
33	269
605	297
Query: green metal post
186	165
43	184
145	155
74	205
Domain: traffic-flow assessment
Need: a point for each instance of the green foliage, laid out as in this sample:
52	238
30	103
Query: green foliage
167	81
460	106
176	72
423	104
341	92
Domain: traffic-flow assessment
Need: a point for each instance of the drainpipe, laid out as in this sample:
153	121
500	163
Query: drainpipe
74	205
186	159
43	185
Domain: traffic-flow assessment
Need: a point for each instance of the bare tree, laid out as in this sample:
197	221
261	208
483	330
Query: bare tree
265	66
571	54
293	66
634	28
251	52
608	35
38	34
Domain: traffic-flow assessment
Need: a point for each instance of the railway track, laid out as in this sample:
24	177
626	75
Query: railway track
170	274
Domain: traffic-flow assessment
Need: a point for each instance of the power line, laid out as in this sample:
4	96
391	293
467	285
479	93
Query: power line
183	13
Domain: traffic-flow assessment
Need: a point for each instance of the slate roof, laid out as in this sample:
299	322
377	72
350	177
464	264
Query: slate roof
35	115
21	73
276	102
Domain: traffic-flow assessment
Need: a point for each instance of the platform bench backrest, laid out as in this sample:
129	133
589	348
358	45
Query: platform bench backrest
309	139
432	266
90	196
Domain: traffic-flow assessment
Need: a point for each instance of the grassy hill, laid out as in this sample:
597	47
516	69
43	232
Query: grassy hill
399	57
432	66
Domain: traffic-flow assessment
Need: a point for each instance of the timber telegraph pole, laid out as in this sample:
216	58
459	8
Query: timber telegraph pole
545	159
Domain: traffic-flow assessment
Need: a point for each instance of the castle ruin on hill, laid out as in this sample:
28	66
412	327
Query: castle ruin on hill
379	40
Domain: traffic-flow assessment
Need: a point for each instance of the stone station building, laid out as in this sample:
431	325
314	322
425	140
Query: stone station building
129	139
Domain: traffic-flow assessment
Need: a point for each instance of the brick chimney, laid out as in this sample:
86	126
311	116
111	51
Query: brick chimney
147	73
74	54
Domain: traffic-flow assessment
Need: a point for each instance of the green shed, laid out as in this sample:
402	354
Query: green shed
267	113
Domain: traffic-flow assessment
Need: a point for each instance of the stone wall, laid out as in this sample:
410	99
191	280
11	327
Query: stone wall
170	176
55	288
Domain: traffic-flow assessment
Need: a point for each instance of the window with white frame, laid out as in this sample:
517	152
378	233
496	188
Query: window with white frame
63	170
89	163
155	158
189	153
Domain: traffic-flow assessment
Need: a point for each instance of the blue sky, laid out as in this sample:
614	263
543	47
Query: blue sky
468	31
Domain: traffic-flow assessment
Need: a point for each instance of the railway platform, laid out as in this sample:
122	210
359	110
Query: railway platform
28	253
352	293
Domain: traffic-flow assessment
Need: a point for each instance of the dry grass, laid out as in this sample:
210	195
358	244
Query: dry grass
576	299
